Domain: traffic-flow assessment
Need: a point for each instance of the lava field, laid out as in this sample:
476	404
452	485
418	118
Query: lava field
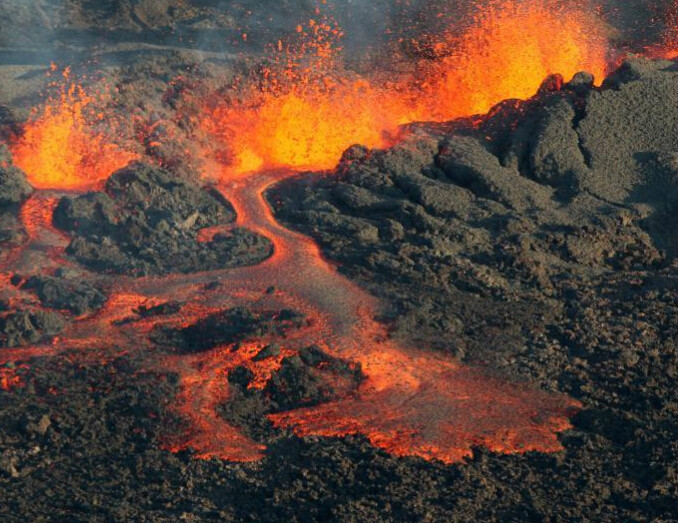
313	261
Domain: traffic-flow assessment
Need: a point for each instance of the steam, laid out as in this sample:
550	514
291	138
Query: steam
55	27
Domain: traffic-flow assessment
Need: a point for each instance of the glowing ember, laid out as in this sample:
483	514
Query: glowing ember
669	46
307	113
61	147
9	378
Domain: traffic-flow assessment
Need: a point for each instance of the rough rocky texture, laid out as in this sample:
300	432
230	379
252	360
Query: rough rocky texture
542	245
310	378
147	222
227	327
304	379
75	295
14	189
517	251
28	327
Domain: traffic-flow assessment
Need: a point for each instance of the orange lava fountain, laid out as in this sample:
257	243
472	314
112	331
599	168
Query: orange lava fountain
412	401
507	53
61	147
306	116
670	44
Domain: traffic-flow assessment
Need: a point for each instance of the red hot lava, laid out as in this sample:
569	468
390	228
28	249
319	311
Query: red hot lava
413	401
67	144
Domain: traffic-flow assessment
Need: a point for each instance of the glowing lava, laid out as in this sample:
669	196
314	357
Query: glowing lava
411	402
306	113
309	109
62	145
507	53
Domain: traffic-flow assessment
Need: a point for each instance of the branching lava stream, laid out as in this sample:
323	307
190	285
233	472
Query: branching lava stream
412	402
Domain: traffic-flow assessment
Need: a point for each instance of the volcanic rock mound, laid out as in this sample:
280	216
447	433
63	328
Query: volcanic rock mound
227	327
305	379
64	293
147	222
483	230
14	189
27	327
541	243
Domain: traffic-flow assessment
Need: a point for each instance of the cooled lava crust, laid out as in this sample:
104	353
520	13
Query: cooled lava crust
539	245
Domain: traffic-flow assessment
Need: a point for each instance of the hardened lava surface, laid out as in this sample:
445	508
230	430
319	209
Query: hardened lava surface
147	221
538	246
475	324
541	243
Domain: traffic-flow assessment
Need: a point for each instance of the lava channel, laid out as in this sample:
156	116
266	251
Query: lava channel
412	402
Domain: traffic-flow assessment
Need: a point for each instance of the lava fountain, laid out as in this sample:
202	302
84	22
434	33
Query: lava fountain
309	109
68	144
507	53
302	113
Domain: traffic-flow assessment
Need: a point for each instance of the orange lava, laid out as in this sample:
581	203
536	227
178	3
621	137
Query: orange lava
67	144
36	214
669	47
309	109
9	378
411	402
304	114
507	53
442	416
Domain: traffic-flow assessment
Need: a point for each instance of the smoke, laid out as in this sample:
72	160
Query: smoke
42	30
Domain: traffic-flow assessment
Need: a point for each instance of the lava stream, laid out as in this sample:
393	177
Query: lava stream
412	402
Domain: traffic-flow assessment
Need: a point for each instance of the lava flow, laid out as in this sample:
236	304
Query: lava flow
412	402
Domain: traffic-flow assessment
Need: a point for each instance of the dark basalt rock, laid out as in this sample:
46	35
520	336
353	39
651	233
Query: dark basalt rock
74	295
303	380
310	378
541	244
227	327
14	189
27	327
147	222
509	245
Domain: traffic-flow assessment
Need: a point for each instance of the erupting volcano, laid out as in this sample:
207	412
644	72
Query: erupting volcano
67	143
432	257
309	109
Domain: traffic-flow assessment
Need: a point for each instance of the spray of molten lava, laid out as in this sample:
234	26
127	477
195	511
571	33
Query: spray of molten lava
67	144
309	109
507	53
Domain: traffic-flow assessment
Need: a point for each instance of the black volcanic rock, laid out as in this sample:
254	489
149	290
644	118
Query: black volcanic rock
77	296
542	244
479	230
508	245
26	327
226	327
147	222
310	378
14	189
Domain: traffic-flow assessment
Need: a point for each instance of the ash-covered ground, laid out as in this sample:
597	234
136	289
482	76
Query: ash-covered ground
539	245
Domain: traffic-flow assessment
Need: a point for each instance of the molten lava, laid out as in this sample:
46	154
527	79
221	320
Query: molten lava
68	144
304	114
507	53
310	110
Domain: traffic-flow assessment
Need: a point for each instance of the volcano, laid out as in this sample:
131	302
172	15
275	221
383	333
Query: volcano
308	262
